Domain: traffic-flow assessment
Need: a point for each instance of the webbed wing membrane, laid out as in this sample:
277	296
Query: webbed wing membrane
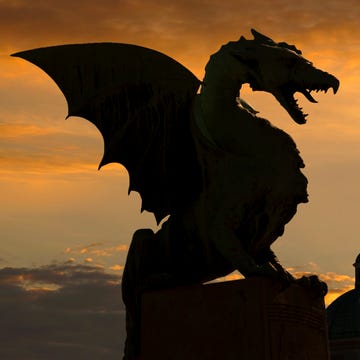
141	101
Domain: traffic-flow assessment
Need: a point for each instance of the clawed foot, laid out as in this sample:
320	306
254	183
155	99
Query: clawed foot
313	283
277	272
274	271
267	270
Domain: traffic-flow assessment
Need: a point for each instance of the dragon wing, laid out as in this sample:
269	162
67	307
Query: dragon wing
142	102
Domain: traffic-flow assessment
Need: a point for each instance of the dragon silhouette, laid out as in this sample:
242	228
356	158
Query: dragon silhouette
227	180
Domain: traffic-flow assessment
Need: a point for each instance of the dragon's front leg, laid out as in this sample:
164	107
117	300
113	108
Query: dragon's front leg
311	282
269	257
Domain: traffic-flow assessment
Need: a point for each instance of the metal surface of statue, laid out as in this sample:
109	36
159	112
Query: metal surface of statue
229	180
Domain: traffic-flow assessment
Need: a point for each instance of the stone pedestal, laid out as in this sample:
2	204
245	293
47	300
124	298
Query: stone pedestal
348	348
244	319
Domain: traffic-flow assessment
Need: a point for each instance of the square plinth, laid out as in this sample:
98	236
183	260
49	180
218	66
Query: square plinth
243	319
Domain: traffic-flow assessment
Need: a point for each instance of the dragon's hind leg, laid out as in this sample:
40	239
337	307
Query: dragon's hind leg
146	268
152	263
134	274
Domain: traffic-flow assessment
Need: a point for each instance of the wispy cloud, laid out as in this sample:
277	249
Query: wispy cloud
97	249
15	131
99	255
26	148
178	27
117	267
58	274
337	284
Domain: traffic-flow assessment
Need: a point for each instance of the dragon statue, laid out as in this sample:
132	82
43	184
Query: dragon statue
227	180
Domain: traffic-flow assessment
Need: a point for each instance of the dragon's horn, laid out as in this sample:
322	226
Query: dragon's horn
260	37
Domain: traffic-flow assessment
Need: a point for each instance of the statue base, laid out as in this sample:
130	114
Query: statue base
242	319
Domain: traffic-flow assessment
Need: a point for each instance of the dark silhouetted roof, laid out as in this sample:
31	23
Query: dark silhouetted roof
343	314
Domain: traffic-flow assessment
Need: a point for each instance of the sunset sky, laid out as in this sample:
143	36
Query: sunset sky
65	227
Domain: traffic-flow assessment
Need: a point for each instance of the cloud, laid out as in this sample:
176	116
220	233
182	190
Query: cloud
26	147
327	32
175	25
82	249
60	311
19	131
117	267
97	254
337	284
58	274
97	249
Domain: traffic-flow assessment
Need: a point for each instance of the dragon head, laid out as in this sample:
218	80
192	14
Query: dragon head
280	69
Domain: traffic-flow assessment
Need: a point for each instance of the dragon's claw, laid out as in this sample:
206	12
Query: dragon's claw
313	283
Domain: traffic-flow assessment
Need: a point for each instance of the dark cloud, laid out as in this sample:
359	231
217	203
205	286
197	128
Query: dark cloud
60	311
72	312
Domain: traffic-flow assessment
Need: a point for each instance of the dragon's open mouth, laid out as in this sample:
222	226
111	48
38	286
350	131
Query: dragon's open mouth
285	96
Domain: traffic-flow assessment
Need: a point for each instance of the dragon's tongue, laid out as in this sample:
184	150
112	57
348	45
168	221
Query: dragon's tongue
308	96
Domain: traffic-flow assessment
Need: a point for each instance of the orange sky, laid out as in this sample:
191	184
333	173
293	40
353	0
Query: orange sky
54	199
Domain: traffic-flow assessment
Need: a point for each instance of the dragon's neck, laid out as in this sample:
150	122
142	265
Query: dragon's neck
221	114
222	82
